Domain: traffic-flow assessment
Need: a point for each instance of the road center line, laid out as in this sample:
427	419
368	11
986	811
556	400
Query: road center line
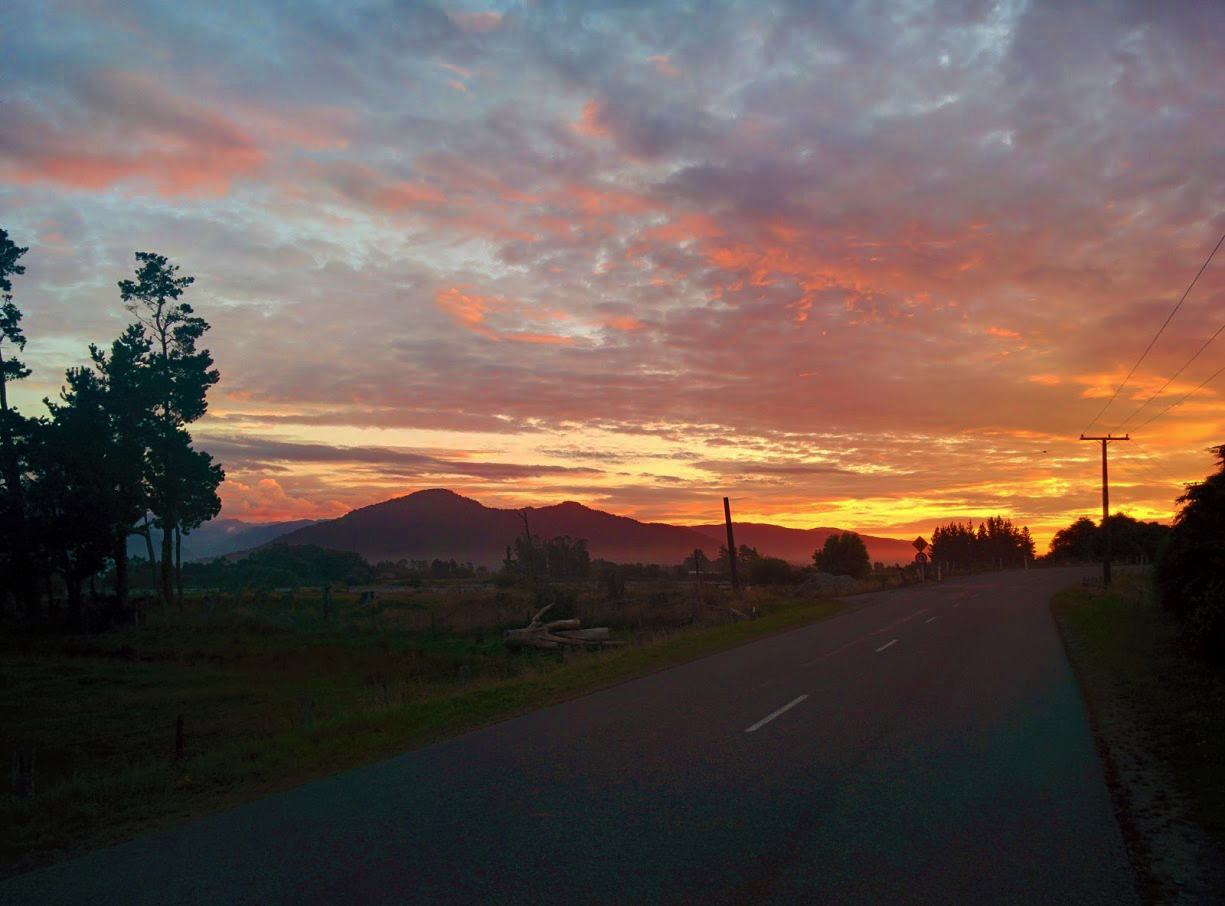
932	620
863	638
769	717
886	645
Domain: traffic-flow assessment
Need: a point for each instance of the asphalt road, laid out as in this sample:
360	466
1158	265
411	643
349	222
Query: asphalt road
928	747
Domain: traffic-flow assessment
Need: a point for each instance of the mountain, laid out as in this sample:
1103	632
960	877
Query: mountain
798	545
219	537
442	524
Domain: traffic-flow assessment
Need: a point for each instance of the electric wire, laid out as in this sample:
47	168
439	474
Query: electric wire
1208	343
1181	401
1148	348
1154	465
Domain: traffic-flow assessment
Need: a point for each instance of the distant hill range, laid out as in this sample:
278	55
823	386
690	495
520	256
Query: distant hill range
219	537
442	524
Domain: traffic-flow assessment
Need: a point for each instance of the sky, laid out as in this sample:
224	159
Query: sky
867	265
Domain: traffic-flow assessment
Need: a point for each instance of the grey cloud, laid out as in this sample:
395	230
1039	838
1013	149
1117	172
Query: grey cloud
264	454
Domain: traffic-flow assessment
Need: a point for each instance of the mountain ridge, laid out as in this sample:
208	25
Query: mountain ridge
438	523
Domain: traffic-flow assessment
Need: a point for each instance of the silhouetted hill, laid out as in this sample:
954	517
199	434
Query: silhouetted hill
797	545
442	524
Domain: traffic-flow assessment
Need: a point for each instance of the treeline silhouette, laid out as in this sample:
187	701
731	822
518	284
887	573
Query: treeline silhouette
112	456
996	542
1130	540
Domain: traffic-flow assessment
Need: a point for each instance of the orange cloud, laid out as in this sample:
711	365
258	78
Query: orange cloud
595	200
266	501
1003	333
546	339
469	309
169	173
624	322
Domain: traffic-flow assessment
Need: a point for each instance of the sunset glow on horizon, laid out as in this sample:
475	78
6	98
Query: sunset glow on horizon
849	265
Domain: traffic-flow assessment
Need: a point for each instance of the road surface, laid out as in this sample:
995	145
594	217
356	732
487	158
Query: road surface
928	747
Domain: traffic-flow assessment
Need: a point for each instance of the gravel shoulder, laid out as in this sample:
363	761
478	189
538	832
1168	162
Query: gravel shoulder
1176	859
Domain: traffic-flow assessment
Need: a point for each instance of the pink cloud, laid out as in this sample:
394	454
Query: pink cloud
664	65
624	322
131	129
589	120
479	22
469	310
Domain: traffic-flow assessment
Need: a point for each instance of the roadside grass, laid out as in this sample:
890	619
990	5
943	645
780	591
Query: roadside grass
1130	656
272	696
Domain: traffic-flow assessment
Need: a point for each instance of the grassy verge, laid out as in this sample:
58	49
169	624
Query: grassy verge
267	706
1146	689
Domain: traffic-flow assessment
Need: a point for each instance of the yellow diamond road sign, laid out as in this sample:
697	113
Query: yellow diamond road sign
919	543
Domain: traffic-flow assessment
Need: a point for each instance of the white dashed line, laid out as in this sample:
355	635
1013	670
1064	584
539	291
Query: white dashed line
769	717
932	620
883	647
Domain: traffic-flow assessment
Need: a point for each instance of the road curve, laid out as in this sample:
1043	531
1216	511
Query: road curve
929	746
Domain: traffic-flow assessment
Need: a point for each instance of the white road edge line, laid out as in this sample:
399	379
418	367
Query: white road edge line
886	645
769	717
932	620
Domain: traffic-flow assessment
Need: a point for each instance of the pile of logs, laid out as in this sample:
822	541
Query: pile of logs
555	634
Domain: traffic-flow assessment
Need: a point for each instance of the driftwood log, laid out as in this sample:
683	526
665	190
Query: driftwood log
555	634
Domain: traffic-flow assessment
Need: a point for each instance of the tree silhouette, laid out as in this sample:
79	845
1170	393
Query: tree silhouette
13	429
1191	571
180	376
75	495
1077	541
844	554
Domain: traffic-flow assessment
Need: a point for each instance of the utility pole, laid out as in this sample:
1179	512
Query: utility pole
1105	441
731	544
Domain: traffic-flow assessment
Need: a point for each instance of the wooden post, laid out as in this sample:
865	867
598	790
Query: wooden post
731	544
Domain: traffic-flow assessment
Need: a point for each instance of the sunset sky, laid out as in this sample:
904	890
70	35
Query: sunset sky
867	265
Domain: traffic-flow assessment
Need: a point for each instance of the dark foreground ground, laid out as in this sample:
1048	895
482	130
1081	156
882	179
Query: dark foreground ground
929	747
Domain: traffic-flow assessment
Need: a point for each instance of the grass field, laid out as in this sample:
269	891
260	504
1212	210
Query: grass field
273	695
1136	672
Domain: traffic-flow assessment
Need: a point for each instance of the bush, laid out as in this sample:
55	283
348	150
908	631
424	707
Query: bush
844	555
1191	571
771	571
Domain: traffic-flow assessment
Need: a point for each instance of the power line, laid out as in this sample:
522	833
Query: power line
1171	380
1156	463
1154	471
1159	333
1183	400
